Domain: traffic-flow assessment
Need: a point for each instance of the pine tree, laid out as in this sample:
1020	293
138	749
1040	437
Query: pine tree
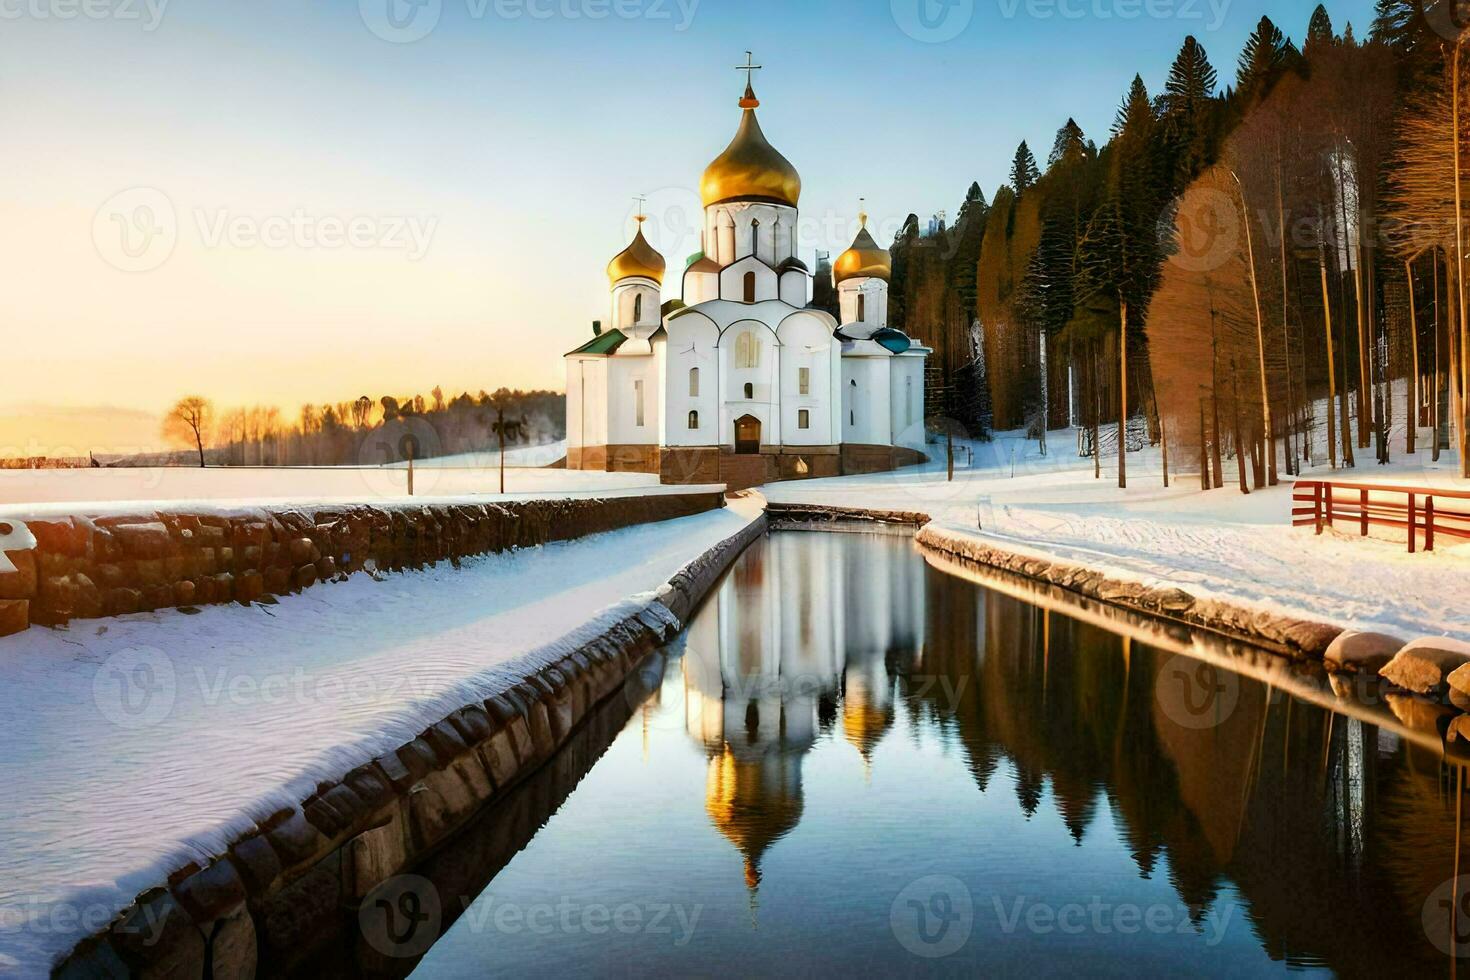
1024	173
1319	30
1266	52
898	286
1188	104
1069	147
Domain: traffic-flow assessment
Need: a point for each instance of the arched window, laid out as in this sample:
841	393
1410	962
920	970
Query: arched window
693	384
637	307
693	420
755	238
747	351
749	390
862	308
750	287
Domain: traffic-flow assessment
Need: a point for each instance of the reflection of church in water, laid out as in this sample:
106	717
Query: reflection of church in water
770	667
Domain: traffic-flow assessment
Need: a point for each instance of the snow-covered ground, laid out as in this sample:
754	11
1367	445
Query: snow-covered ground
1218	543
455	476
135	744
542	455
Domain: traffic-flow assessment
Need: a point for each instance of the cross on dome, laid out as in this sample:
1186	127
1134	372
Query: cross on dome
749	101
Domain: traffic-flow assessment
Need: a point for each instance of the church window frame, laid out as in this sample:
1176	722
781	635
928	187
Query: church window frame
694	382
803	418
693	418
804	381
639	418
747	350
749	287
749	391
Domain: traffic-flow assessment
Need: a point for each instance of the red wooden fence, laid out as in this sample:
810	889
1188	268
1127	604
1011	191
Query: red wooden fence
1322	503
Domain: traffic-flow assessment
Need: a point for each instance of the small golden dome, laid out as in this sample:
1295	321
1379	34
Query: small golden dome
638	259
864	260
750	169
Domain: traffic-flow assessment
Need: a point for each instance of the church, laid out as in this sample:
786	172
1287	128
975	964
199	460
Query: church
739	381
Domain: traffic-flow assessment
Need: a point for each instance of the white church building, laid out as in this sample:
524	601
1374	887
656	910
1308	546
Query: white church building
738	381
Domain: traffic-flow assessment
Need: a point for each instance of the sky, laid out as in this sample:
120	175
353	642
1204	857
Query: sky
281	202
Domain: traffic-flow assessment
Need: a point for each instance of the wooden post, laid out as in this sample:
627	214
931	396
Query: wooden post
1411	523
1328	500
1123	394
1363	510
410	467
1428	523
1317	505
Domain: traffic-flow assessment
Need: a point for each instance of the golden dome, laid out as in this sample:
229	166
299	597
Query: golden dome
638	259
750	169
753	803
864	260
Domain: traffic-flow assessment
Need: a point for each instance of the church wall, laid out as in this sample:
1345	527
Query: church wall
866	419
728	232
806	342
906	400
693	342
875	306
622	423
794	288
765	397
625	302
732	281
586	408
700	287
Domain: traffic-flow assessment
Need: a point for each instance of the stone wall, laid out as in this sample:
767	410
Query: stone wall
298	893
89	565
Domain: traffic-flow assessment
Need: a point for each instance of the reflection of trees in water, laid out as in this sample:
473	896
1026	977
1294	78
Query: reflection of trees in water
1332	844
1331	841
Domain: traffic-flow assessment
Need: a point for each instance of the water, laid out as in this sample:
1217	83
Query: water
854	763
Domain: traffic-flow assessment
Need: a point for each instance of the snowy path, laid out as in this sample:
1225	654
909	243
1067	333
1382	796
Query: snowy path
1218	543
250	707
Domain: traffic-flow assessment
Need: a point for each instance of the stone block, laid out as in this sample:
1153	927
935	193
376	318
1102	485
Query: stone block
370	786
447	743
326	569
418	758
374	856
1422	666
158	596
257	863
301	917
500	758
212	893
300	550
156	938
1369	653
88	597
15	616
294	840
121	601
145	540
277	580
21	583
93	959
249	586
185	593
232	947
224	587
305	576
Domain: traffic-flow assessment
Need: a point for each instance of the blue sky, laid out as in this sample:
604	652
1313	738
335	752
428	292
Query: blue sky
516	133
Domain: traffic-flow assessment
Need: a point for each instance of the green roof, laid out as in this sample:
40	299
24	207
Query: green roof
605	343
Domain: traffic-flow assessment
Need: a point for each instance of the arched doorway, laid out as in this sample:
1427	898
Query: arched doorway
747	435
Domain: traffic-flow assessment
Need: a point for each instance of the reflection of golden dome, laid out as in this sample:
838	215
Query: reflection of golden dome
750	169
638	259
864	721
754	804
864	260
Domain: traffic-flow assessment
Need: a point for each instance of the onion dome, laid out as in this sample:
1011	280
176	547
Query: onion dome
865	260
638	259
754	803
894	341
750	169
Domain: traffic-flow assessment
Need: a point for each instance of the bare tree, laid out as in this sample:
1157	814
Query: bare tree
189	422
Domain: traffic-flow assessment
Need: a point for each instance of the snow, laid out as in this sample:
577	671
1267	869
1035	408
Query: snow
542	455
139	743
35	492
1218	544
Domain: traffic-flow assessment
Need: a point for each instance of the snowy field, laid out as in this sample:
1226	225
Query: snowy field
1218	543
248	708
476	474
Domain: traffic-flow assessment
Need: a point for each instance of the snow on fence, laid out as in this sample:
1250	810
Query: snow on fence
1415	510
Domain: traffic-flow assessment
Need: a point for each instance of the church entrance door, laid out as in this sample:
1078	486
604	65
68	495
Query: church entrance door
747	435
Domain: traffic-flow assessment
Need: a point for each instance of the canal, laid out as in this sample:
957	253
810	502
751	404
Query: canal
855	763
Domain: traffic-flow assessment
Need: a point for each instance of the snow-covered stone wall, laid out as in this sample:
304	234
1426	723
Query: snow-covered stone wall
90	565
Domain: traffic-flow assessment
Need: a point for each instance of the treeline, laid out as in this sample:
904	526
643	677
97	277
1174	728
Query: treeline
371	431
1266	273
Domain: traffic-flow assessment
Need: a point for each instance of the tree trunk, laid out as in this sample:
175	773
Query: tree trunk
1291	466
1164	446
1123	394
1331	366
1096	386
1462	362
199	444
1411	424
1434	392
1250	251
1239	435
1204	459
